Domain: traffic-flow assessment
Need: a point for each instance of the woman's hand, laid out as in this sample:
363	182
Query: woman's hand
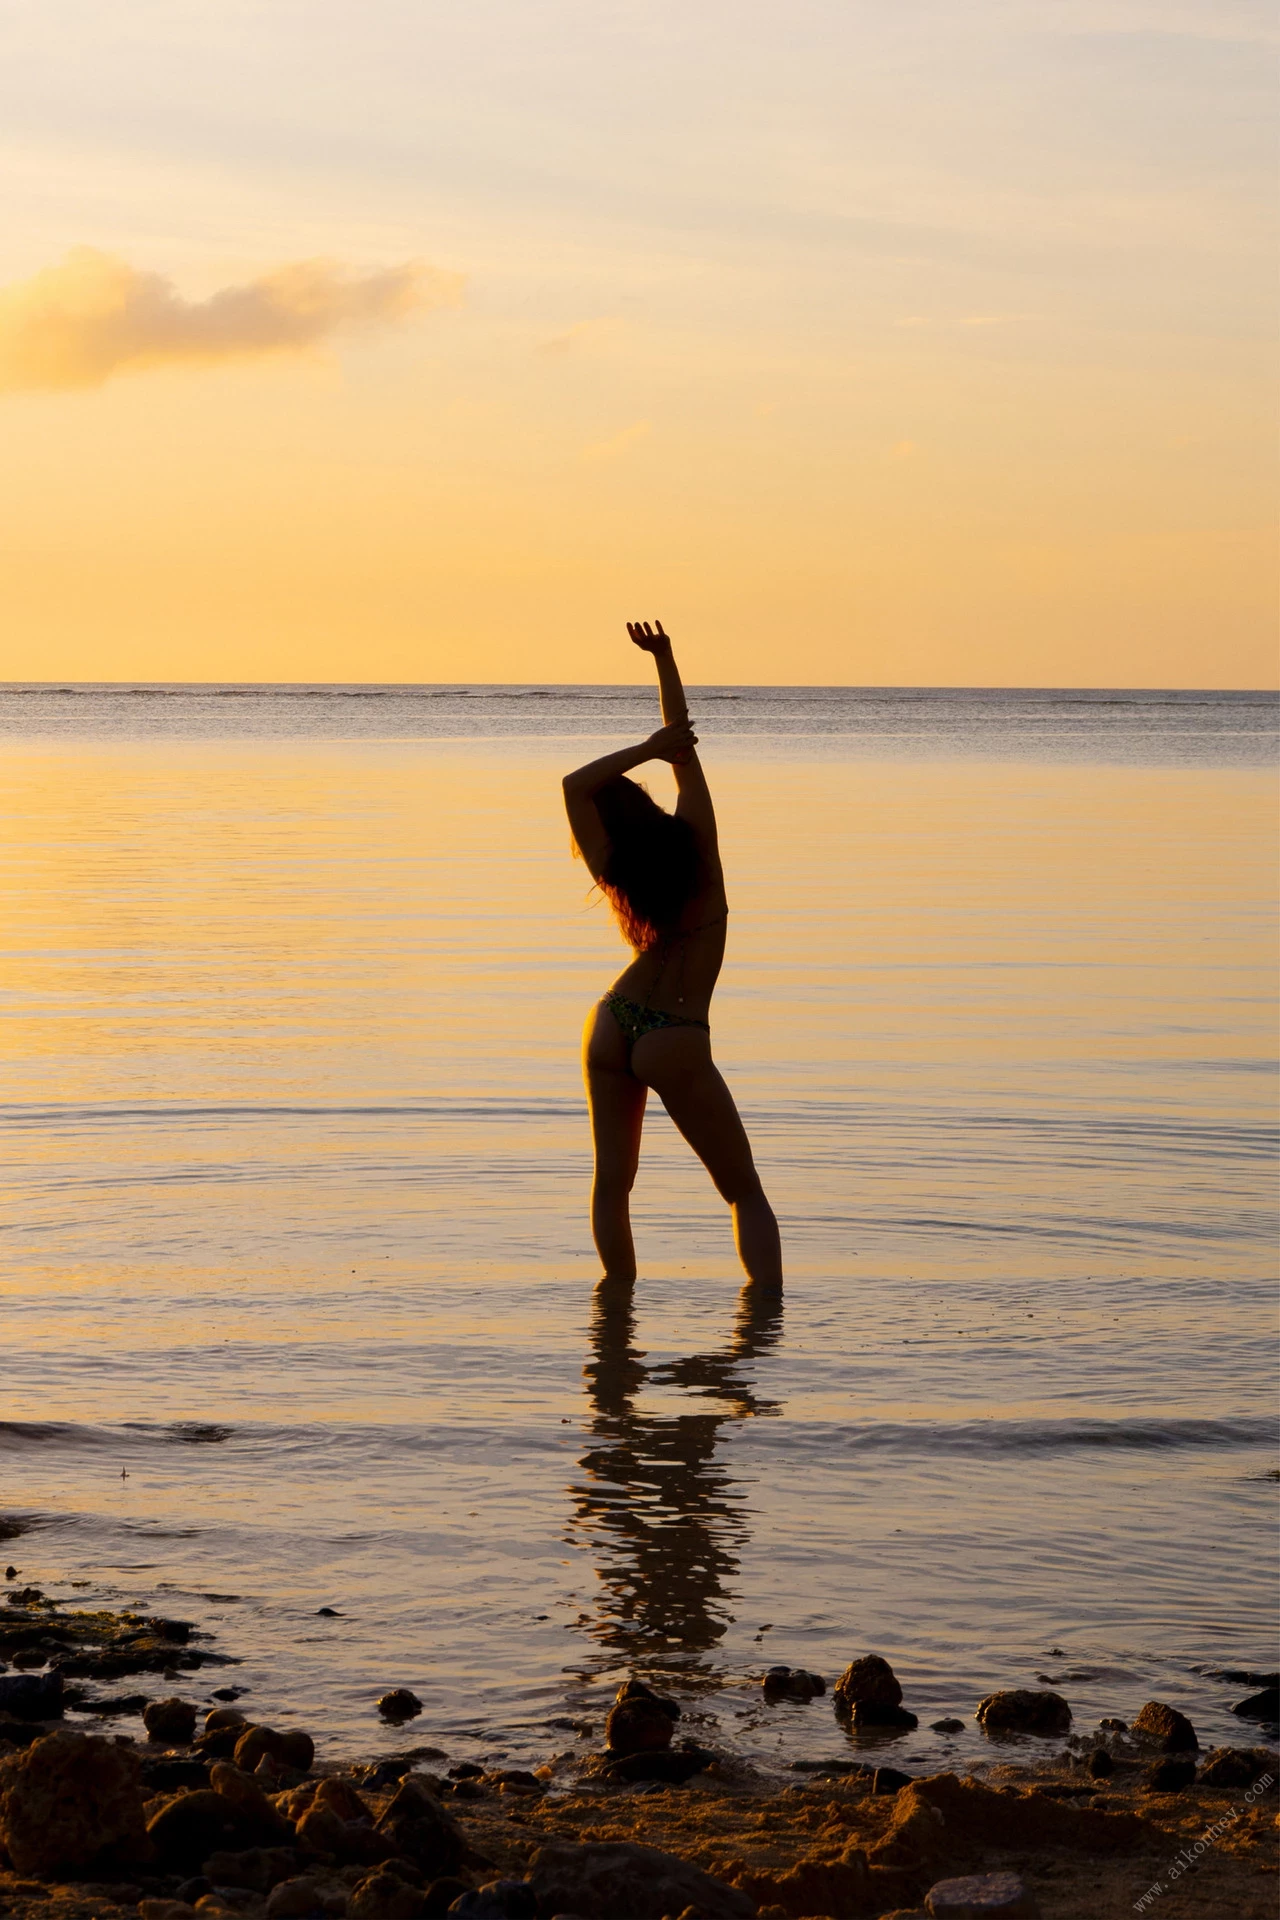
674	743
646	638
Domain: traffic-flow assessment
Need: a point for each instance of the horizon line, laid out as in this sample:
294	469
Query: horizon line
845	686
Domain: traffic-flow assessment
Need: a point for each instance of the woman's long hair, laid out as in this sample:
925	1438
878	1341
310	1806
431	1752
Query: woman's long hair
654	867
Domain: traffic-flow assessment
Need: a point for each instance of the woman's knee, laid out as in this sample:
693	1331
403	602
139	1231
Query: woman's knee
741	1189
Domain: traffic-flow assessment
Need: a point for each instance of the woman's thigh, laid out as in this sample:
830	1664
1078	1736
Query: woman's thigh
678	1066
615	1097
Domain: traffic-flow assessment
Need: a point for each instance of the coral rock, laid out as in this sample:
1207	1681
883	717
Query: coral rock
170	1720
640	1720
420	1830
384	1896
70	1804
871	1680
1167	1728
1237	1767
1023	1710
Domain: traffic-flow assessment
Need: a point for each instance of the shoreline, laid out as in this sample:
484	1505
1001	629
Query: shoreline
1117	1816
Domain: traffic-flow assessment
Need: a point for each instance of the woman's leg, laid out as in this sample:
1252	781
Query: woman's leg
677	1064
616	1099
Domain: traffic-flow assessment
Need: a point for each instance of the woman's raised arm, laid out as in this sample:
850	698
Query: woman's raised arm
672	743
694	804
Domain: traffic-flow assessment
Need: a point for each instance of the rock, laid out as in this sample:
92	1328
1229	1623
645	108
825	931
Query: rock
792	1683
165	1910
291	1749
223	1901
442	1893
267	1824
191	1889
1099	1764
498	1900
629	1882
342	1797
163	1774
72	1803
640	1720
878	1713
385	1896
1002	1896
941	1822
421	1831
1236	1766
1023	1710
188	1829
1173	1774
1168	1729
870	1679
321	1830
1259	1706
170	1720
115	1703
258	1868
674	1767
31	1696
889	1780
308	1894
466	1770
223	1717
399	1704
947	1726
1113	1726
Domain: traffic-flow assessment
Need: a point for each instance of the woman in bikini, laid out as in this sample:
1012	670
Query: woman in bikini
661	874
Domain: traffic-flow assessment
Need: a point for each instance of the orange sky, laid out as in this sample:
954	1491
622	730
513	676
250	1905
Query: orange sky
915	345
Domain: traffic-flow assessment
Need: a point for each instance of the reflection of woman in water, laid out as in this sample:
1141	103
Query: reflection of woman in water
665	1519
661	875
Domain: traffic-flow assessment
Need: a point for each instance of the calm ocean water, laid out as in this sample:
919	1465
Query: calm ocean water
297	1289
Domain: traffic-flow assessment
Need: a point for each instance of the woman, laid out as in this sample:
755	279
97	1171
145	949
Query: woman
661	875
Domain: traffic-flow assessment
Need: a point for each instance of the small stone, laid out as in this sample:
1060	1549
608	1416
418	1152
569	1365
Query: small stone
187	1830
878	1713
327	1613
1236	1766
1171	1775
267	1825
399	1704
889	1780
947	1726
1170	1730
342	1797
1023	1710
11	1573
1114	1726
70	1803
170	1720
870	1679
1258	1706
661	1764
191	1890
165	1910
290	1749
321	1830
227	1693
640	1720
257	1868
1099	1764
1002	1896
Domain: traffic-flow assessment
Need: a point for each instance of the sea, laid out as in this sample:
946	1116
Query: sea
297	1306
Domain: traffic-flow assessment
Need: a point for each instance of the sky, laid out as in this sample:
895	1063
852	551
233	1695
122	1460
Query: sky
923	343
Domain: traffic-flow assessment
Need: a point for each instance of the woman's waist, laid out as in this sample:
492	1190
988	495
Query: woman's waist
690	997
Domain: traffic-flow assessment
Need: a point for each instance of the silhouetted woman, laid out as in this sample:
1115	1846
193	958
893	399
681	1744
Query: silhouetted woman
661	875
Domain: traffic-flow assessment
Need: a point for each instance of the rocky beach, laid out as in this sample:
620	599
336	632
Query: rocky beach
134	1779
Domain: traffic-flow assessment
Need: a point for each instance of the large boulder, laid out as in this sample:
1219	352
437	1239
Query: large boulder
640	1720
1023	1710
1258	1706
420	1830
621	1881
72	1804
870	1681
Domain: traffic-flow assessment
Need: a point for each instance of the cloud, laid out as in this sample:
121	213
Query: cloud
92	316
620	443
585	333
